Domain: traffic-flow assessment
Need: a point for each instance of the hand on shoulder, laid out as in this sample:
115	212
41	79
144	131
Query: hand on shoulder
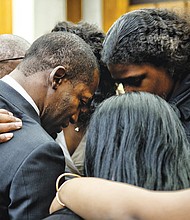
8	123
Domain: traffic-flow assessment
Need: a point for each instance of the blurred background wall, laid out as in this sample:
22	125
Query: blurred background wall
32	18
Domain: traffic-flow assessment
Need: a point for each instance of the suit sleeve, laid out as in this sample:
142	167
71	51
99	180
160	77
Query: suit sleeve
33	186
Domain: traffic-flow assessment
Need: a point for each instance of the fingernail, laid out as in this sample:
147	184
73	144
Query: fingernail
8	135
10	113
18	119
18	124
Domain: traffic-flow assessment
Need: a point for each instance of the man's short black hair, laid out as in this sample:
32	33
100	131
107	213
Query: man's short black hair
61	49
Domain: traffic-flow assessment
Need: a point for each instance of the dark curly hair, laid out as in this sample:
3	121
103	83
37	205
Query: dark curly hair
150	36
90	33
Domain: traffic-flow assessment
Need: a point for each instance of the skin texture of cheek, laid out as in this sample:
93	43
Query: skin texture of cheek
163	87
55	114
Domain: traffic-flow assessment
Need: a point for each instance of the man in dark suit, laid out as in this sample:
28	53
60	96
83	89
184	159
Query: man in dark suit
47	90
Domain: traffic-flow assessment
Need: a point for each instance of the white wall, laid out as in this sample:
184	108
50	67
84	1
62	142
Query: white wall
47	14
33	18
92	11
23	19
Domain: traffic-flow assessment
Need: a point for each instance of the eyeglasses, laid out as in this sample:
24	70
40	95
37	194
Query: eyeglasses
9	59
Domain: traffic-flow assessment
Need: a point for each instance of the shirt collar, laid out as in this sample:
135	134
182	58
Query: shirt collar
15	85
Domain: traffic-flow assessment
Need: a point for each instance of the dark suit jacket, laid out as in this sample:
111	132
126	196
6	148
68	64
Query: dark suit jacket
30	163
180	101
63	214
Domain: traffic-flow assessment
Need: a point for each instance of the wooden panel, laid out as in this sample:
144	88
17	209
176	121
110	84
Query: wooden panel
187	7
133	2
178	7
136	7
112	10
74	10
5	16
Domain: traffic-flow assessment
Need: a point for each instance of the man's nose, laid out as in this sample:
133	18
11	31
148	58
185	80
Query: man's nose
74	118
85	109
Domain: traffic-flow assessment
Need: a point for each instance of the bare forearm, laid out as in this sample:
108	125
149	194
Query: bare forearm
94	198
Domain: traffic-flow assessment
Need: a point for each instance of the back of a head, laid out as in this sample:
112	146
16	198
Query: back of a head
12	47
61	49
150	36
137	138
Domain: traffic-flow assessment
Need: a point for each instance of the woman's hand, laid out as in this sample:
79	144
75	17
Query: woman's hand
8	123
55	206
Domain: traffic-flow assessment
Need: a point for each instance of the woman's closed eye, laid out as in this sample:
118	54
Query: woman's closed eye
133	81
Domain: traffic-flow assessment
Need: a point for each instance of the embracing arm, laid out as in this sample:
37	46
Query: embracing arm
8	123
94	198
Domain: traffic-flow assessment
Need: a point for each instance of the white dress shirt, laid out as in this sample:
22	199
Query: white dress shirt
15	85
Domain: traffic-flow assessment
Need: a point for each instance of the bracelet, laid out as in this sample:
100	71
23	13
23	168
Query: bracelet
59	188
58	199
62	175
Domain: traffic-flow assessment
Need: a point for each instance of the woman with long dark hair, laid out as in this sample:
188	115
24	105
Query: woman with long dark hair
134	138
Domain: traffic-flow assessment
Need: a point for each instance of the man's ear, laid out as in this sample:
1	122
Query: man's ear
56	76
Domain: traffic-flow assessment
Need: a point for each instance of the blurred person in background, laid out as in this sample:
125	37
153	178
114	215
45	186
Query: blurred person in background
12	51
